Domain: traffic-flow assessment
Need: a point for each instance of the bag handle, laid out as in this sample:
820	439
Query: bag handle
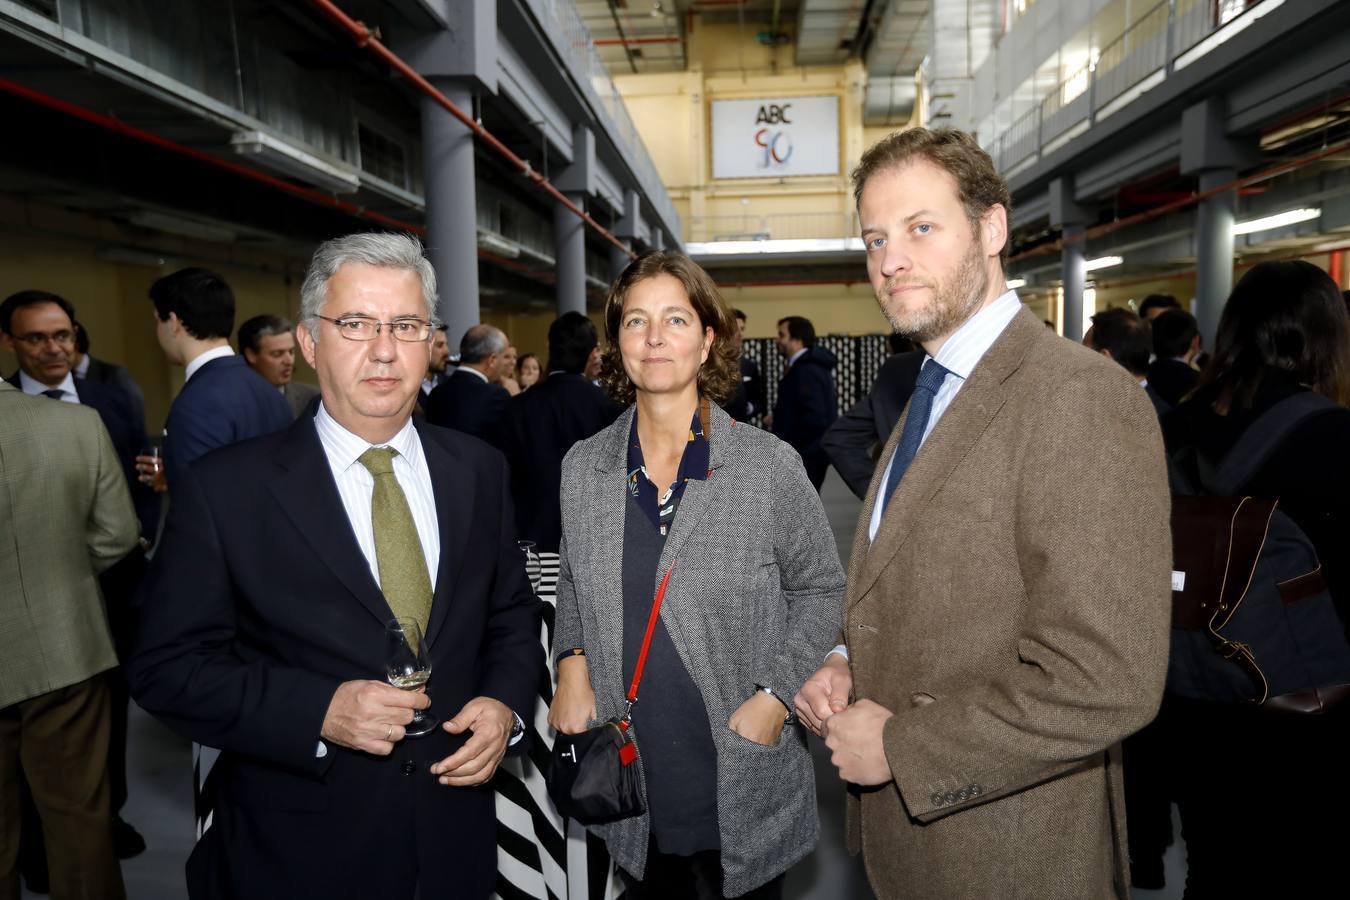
646	643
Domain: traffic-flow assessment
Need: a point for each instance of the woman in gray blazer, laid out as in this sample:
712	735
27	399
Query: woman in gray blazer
752	606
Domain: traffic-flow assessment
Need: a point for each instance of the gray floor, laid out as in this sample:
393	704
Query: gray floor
160	804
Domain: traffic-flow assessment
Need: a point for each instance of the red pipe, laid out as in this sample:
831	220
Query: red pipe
117	126
1335	267
610	42
1184	202
365	39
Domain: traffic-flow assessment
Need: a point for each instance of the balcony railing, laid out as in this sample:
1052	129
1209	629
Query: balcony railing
1137	60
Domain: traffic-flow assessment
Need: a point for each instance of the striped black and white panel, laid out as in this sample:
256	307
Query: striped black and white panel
539	854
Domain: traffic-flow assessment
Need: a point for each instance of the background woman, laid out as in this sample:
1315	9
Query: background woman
1251	784
527	371
752	607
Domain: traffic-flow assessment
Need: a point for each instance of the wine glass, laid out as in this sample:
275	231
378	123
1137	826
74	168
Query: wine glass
534	567
405	664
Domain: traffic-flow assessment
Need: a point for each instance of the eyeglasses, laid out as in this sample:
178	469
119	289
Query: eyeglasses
38	338
362	328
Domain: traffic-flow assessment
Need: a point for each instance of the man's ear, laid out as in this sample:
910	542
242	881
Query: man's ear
994	229
305	340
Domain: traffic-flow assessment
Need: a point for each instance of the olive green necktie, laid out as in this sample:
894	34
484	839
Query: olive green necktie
398	550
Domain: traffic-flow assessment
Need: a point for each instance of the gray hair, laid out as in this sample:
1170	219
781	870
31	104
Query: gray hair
387	250
480	342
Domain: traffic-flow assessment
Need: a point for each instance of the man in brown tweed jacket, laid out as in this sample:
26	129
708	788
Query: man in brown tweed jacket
1006	616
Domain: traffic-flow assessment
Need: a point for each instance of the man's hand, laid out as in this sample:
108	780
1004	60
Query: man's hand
474	763
855	737
150	471
824	693
573	706
370	715
759	719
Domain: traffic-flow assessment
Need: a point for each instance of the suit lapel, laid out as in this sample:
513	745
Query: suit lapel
305	489
453	512
969	415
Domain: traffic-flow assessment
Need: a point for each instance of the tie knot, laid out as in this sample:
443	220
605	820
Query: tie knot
931	377
379	460
54	393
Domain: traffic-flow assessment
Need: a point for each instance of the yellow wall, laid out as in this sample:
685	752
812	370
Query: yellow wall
832	308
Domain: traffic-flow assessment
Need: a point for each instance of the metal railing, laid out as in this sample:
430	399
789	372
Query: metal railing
572	38
1145	50
772	226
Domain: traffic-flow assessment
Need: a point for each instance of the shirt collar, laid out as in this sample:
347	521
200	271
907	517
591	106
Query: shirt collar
82	370
202	359
969	343
796	356
343	448
474	371
36	388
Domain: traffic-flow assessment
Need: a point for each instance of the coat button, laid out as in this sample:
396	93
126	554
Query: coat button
950	797
963	794
409	767
936	799
976	790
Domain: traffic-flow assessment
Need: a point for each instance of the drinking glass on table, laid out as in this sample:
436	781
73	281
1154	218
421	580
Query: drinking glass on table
407	668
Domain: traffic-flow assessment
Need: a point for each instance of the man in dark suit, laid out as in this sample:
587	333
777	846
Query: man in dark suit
222	400
1120	335
436	369
264	632
806	404
267	343
854	441
40	328
85	366
1176	344
471	400
748	400
544	422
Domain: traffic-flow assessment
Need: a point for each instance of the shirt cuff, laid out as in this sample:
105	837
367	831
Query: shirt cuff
321	751
842	650
519	730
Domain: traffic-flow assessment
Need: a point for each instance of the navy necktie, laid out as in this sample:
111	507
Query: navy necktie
54	393
920	406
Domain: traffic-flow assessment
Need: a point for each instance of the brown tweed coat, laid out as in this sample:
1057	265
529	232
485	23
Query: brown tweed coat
1013	613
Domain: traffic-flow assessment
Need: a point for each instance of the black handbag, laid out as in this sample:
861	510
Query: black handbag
591	776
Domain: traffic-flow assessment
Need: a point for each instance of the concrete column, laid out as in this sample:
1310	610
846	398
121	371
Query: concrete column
452	211
569	242
1074	273
1213	252
618	261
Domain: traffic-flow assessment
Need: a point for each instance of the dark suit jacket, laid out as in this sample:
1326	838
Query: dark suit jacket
469	404
806	406
749	398
855	439
261	603
113	375
222	403
541	425
1172	379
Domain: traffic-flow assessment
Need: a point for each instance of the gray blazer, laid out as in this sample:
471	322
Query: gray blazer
65	516
298	394
754	599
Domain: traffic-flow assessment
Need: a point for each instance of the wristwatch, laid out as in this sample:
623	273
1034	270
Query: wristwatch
791	717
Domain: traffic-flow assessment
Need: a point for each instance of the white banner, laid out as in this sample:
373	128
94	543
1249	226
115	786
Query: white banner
774	138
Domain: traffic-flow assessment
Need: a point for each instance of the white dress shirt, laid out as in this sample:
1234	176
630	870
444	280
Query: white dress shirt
959	356
35	388
201	359
794	357
82	370
463	368
356	486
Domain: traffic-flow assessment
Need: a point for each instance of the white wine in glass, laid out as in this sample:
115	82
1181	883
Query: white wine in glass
407	668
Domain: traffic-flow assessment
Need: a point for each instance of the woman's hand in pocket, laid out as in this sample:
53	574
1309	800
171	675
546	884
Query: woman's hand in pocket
759	719
573	707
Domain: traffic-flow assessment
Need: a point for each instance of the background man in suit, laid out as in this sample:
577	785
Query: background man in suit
1120	335
1008	605
749	398
1176	345
66	516
83	365
41	330
436	368
806	403
268	345
1155	305
265	620
544	422
222	400
854	441
471	400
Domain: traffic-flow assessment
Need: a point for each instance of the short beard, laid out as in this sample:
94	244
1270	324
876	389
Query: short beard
953	302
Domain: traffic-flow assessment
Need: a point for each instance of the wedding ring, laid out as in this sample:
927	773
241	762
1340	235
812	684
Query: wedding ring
390	733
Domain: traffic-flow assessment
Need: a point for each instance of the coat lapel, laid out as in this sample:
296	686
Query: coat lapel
969	415
606	506
454	511
698	495
305	489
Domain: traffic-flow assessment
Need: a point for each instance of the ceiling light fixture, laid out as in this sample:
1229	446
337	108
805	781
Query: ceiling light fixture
1102	262
1279	220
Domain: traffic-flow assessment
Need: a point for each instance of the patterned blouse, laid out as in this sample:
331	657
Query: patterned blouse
693	464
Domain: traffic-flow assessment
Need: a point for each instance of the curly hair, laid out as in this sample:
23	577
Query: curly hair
978	183
721	372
